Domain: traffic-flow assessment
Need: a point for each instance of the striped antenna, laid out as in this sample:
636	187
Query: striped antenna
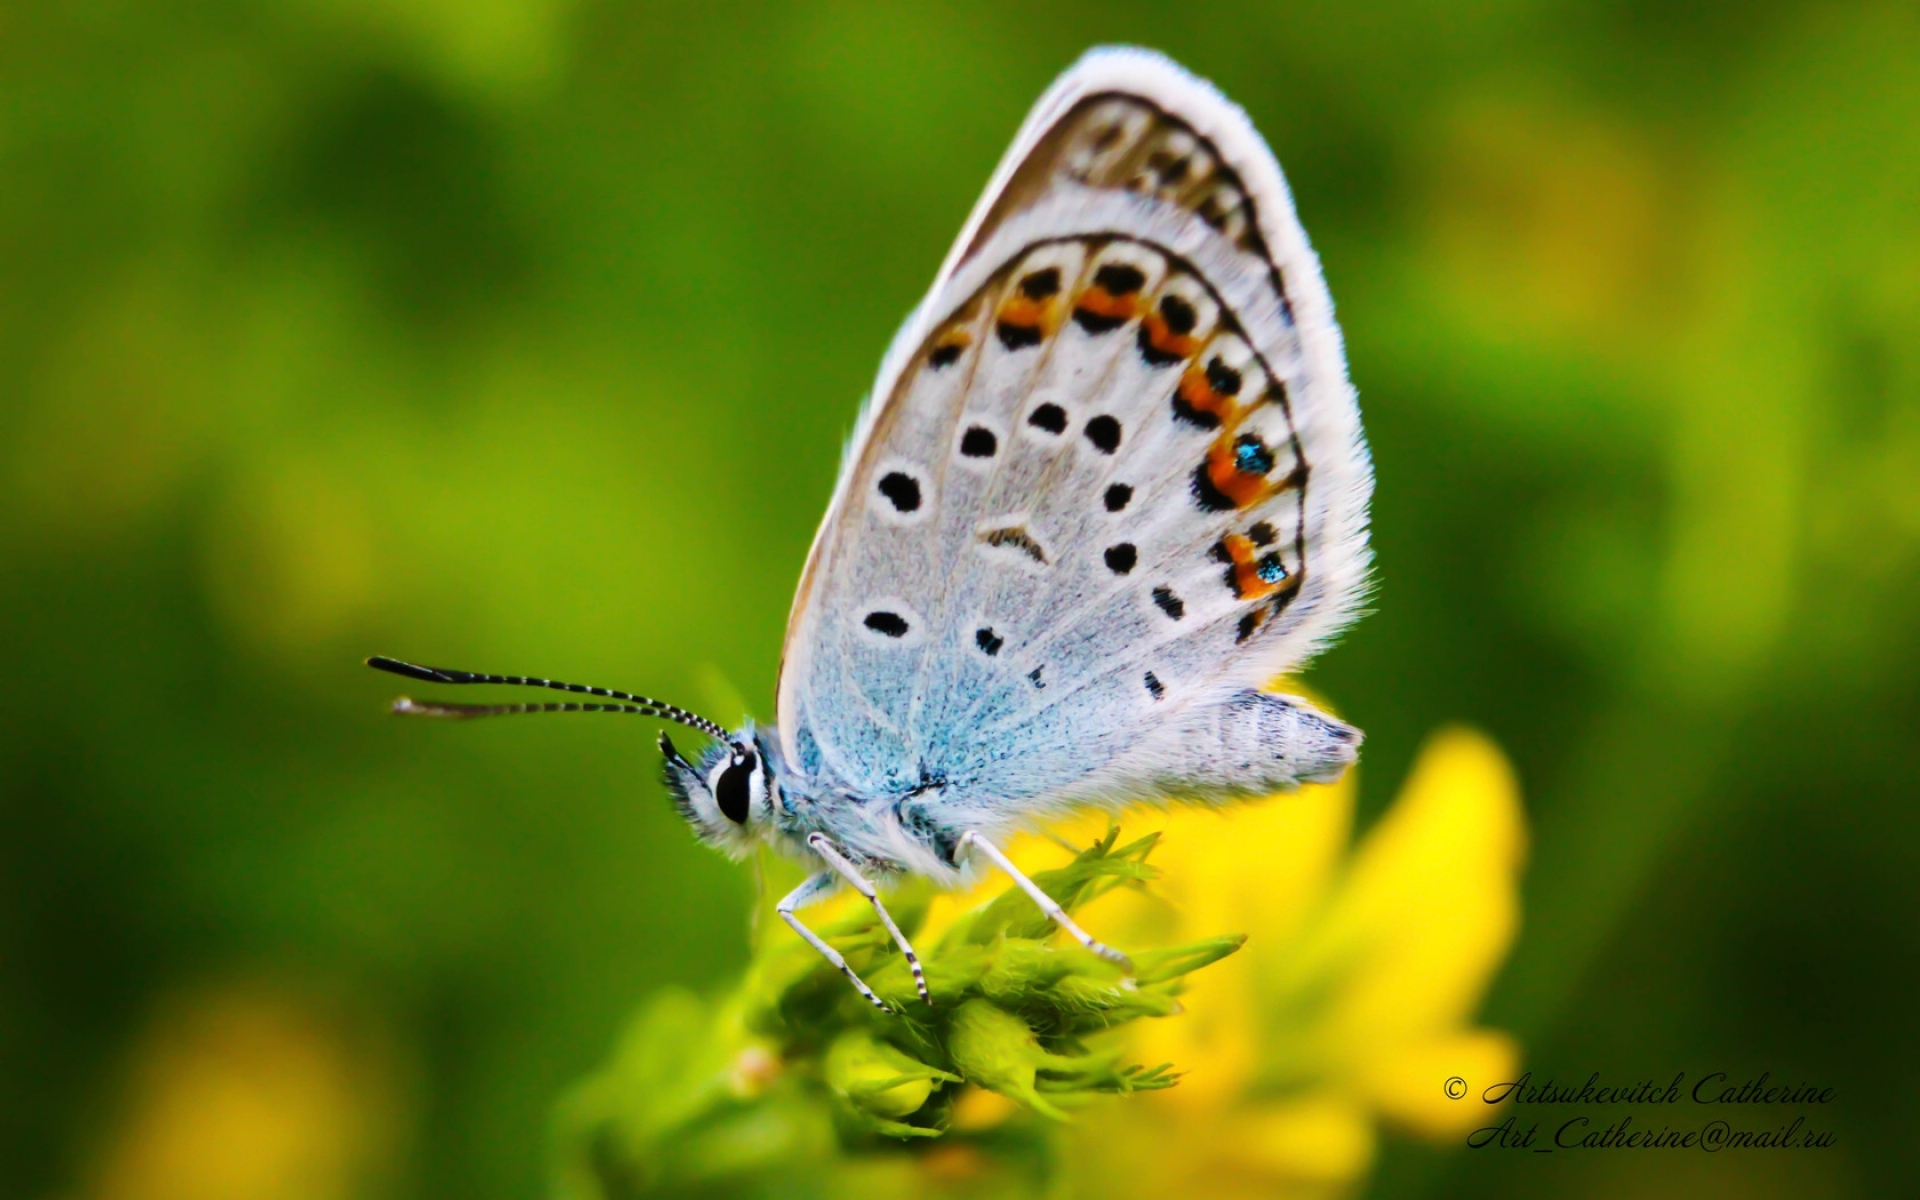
640	705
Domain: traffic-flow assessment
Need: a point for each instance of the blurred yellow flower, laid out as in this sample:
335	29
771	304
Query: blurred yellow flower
1351	1005
250	1090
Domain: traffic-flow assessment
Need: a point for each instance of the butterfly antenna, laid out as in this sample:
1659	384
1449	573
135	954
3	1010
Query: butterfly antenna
641	705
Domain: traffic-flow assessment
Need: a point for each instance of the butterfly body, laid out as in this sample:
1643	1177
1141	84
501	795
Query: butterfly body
1109	484
1255	744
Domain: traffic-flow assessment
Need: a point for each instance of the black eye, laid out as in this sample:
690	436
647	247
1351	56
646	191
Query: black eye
733	791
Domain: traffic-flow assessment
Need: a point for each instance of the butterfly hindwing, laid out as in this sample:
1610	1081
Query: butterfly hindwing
1112	476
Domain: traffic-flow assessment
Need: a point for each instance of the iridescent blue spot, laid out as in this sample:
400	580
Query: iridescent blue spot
1271	570
1250	457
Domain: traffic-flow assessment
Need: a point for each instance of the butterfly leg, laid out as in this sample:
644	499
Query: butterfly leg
813	889
973	840
825	848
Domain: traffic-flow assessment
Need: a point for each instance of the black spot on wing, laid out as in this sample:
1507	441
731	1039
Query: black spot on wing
1169	603
891	624
1155	688
1121	558
1222	378
901	490
1104	432
1117	496
1041	284
1050	417
1178	314
988	641
1119	279
979	442
945	356
1017	337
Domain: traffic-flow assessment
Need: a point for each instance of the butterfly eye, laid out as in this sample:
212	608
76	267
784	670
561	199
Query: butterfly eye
733	790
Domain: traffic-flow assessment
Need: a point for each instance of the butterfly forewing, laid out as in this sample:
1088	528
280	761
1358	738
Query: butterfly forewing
1114	471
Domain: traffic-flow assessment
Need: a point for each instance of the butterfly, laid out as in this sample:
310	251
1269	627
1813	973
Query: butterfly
1110	481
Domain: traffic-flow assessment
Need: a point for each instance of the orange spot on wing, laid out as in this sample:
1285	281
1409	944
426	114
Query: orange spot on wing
1244	488
1198	394
1241	487
1027	313
1102	303
1245	569
1167	342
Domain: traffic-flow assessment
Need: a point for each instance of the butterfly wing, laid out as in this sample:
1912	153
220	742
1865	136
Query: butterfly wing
1111	474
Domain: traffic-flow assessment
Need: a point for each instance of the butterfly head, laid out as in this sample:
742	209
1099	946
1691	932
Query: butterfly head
729	794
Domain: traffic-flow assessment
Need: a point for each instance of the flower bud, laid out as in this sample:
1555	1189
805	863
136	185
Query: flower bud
878	1078
995	1049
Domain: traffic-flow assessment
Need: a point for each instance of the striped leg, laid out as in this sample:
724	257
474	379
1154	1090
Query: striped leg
813	889
838	861
973	840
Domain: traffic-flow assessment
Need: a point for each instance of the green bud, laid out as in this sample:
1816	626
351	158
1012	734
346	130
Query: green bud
878	1078
995	1049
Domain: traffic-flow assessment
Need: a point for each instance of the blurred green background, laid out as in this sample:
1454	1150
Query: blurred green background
524	337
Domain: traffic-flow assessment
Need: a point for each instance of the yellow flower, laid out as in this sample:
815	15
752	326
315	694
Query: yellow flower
1351	1005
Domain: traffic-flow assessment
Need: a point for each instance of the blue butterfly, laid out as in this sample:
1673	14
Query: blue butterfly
1111	481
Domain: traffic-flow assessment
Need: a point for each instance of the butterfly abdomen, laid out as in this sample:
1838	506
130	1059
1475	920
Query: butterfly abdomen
1249	745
